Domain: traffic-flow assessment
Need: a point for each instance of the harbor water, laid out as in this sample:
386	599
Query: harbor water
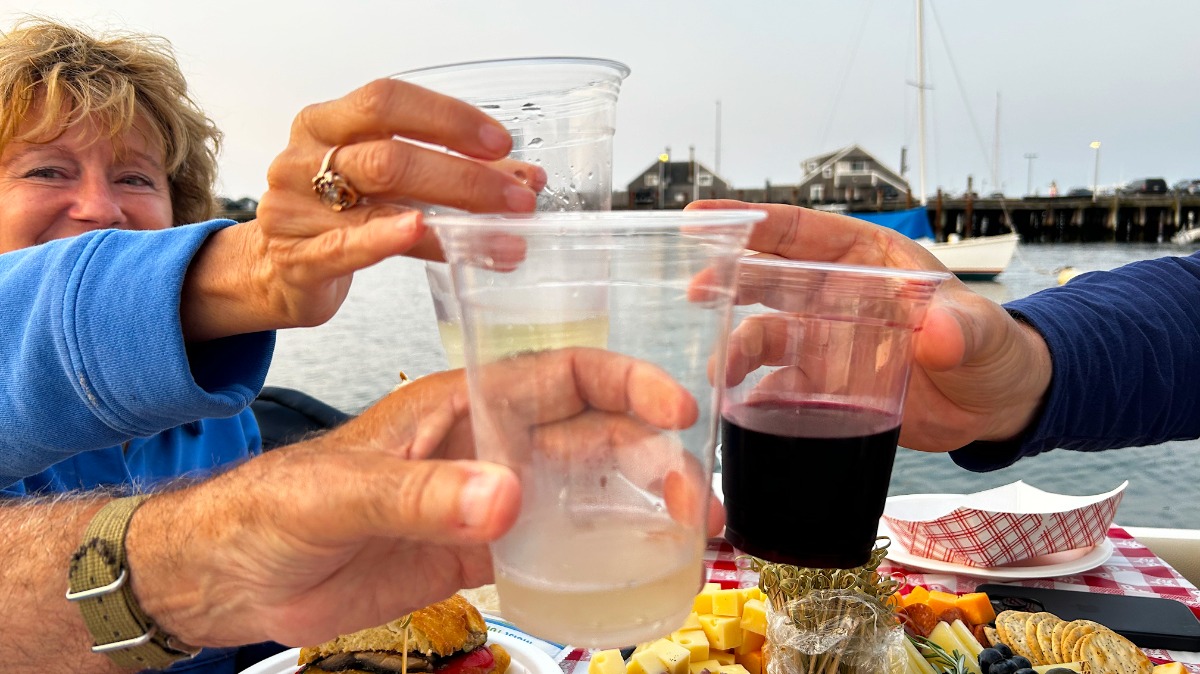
387	326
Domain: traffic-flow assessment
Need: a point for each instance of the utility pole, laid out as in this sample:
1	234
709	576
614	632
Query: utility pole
921	97
996	149
1096	171
695	173
1029	173
717	159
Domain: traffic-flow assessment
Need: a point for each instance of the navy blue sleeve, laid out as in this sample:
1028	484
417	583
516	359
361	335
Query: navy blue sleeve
1126	362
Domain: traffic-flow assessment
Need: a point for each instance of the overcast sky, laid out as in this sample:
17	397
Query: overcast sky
796	78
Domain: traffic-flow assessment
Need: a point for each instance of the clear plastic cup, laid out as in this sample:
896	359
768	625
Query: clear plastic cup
561	112
818	366
607	548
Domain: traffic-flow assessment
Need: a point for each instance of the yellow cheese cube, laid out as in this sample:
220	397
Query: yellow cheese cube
732	669
675	657
748	593
723	632
649	662
723	657
754	617
606	662
699	667
751	641
632	667
703	603
728	602
1169	668
692	622
694	640
753	662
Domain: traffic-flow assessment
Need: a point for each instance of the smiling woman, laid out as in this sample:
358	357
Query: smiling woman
125	89
80	181
131	348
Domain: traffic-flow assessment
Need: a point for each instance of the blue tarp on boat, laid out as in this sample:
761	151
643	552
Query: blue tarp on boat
913	223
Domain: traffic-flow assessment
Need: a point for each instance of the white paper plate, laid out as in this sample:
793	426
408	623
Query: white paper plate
526	659
1060	564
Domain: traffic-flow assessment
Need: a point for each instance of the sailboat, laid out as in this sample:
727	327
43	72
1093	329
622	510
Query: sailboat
976	259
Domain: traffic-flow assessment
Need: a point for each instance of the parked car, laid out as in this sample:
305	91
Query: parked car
1145	186
1079	192
1187	186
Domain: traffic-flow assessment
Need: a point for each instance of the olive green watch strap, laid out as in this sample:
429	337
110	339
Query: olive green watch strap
99	583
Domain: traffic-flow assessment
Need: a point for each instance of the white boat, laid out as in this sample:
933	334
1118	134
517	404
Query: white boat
1178	547
1186	236
977	259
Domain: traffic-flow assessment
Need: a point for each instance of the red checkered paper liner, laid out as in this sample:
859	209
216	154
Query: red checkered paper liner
986	537
1132	569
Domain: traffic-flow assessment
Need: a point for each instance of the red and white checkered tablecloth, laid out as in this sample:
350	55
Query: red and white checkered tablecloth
1132	569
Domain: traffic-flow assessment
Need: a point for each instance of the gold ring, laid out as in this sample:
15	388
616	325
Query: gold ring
334	190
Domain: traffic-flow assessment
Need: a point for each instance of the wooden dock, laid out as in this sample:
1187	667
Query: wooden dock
1130	217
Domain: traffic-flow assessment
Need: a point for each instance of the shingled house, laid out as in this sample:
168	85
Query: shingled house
672	184
850	175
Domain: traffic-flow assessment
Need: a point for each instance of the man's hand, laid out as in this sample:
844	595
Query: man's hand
389	512
978	373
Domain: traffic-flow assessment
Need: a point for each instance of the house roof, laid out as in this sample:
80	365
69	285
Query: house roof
830	158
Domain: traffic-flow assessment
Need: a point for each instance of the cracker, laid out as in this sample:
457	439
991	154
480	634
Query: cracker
1002	631
1013	632
1056	637
1111	653
1076	631
1041	636
1036	655
993	636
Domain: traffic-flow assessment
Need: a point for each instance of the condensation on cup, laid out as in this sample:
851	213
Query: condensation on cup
607	548
561	112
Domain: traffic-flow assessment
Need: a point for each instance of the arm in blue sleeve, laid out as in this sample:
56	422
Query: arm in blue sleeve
1126	364
92	353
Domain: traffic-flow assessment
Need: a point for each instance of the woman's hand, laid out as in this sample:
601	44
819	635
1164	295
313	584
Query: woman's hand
292	266
978	373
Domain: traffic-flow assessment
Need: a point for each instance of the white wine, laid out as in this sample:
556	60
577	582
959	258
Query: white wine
504	339
609	579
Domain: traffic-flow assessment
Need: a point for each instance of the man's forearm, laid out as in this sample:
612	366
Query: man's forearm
41	631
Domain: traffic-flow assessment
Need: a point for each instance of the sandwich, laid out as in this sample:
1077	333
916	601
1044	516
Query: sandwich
449	637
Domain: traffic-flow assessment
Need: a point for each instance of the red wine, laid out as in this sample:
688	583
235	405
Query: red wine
805	482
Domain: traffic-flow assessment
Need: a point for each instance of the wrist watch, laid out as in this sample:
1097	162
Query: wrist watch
98	582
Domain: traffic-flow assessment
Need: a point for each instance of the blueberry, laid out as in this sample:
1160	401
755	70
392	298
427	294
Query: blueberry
1021	662
1002	667
1004	650
988	657
1026	670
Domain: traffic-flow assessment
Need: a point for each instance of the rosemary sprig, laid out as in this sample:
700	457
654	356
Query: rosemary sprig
943	662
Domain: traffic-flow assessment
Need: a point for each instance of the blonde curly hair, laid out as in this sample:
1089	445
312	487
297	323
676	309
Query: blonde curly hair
115	80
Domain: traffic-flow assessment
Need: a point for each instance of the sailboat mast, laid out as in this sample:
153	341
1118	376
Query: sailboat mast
996	149
921	99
